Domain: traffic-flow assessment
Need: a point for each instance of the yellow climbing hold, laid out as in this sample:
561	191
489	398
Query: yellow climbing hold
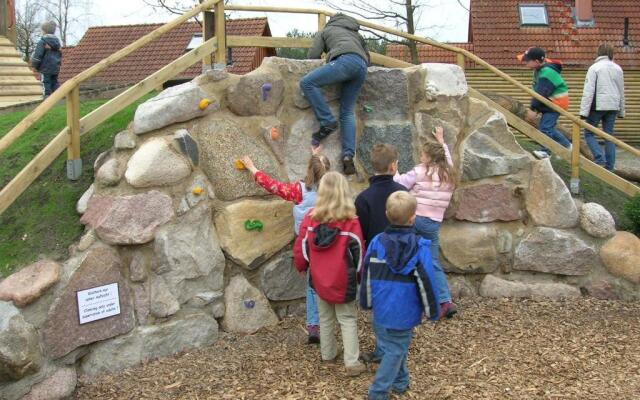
204	103
197	190
239	164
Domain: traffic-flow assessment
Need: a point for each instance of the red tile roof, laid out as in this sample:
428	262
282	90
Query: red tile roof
497	36
101	41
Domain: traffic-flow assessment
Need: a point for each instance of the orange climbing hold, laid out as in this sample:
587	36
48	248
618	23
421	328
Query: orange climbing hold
239	164
204	103
197	190
274	133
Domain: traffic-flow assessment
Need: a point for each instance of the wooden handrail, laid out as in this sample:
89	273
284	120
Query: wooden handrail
66	88
457	50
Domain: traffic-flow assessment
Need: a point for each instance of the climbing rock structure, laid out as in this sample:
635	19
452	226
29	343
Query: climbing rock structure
190	244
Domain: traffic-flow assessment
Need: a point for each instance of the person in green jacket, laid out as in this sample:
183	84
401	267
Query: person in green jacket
347	62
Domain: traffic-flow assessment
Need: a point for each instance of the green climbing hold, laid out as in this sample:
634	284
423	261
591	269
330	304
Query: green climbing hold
253	225
367	108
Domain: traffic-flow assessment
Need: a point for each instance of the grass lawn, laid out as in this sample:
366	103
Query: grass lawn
43	220
592	189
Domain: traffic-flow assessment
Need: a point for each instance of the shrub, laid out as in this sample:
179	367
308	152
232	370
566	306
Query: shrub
632	212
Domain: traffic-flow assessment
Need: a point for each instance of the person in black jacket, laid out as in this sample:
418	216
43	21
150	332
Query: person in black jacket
46	58
371	203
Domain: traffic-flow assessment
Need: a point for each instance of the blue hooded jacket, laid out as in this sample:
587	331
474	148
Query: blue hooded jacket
398	279
47	56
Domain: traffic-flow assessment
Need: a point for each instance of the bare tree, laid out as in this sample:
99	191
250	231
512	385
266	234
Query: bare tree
28	16
66	14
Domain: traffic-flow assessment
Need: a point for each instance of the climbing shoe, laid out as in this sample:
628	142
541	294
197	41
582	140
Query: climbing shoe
347	165
448	310
322	134
314	334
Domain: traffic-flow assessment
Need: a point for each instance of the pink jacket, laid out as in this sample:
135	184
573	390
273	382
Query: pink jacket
432	195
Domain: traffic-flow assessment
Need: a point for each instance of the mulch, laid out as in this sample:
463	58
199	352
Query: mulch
493	349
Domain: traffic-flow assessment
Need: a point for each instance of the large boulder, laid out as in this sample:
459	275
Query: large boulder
62	329
60	385
495	287
621	256
597	221
188	255
548	200
490	149
156	164
259	92
444	80
385	94
401	134
175	104
247	309
469	248
28	284
222	142
20	352
251	248
487	203
555	251
150	342
128	219
281	281
427	120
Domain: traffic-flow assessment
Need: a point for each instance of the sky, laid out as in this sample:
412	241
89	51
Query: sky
445	21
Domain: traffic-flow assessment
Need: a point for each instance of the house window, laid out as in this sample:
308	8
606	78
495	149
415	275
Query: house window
196	40
533	15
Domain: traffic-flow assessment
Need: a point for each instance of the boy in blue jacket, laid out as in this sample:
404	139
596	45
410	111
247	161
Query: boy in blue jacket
397	285
46	58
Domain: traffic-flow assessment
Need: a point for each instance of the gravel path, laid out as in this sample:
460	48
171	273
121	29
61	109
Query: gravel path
493	349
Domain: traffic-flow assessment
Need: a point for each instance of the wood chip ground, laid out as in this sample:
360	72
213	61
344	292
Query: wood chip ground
493	349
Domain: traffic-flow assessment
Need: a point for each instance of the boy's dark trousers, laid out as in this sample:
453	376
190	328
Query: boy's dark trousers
392	374
49	83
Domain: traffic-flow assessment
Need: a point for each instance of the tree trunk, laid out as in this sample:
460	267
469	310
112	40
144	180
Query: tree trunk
411	29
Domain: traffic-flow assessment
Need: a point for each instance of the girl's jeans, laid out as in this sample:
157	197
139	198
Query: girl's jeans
312	305
428	229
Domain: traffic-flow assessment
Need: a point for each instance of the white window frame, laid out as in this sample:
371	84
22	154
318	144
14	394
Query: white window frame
524	22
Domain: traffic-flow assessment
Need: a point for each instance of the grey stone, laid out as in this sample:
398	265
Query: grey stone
222	142
62	329
218	309
156	164
385	95
627	165
125	140
18	389
468	247
150	342
101	159
247	309
498	288
188	255
426	121
188	146
110	173
460	287
199	190
548	200
139	266
597	221
128	219
140	294
83	201
400	134
246	97
60	385
444	80
555	251
250	249
281	281
161	303
20	352
175	104
203	299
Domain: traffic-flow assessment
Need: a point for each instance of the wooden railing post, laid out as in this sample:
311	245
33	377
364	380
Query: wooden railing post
74	162
207	33
460	60
221	51
575	160
322	21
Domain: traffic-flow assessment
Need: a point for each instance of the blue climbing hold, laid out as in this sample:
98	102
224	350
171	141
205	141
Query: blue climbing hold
265	91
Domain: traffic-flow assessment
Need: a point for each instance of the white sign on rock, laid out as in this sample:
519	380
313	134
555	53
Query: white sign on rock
98	303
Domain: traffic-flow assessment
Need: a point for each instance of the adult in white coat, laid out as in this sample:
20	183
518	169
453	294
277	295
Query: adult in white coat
603	100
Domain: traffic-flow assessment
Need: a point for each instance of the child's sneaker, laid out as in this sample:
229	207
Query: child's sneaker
448	310
370	357
347	165
322	133
314	334
356	370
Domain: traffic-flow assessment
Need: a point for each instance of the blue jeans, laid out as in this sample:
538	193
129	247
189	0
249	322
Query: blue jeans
49	84
547	126
428	229
608	118
392	374
350	70
312	305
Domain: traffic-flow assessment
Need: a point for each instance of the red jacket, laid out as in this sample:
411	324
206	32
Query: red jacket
334	252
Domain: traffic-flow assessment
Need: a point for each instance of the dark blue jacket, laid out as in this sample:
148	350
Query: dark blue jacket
371	205
398	279
47	60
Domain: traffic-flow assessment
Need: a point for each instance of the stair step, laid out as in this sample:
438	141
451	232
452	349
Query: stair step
8	51
24	90
20	99
15	71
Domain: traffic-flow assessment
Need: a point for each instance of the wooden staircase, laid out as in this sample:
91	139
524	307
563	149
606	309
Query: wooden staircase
17	82
627	129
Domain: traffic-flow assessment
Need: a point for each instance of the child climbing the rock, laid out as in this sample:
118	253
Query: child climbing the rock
303	194
330	246
432	182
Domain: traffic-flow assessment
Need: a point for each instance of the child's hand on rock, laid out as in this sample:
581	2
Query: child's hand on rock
316	150
248	163
438	132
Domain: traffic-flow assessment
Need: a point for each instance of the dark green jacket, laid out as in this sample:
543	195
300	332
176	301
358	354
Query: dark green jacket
339	36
